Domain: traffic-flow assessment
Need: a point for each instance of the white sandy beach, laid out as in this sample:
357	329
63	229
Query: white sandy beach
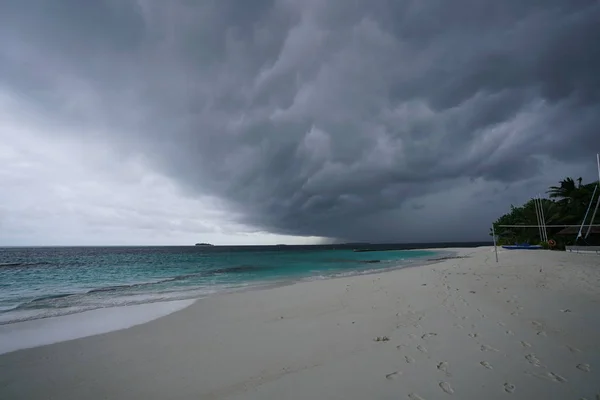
525	328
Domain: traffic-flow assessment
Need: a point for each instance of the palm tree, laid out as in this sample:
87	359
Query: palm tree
572	201
552	211
564	192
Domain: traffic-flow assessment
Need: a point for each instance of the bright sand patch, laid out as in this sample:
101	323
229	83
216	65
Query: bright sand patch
467	328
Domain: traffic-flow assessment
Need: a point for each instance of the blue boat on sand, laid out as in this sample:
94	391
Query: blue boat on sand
524	246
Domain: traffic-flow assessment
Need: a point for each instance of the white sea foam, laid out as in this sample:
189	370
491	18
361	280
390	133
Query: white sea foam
101	300
23	335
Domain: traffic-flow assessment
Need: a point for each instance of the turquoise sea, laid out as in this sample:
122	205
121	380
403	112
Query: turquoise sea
43	282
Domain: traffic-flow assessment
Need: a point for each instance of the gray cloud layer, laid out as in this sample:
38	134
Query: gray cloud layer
360	120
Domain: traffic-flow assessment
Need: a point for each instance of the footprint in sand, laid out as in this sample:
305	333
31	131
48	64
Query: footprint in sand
446	387
533	360
549	376
443	366
525	344
541	333
486	364
426	335
409	359
421	349
584	367
574	350
557	377
485	347
393	375
509	332
509	387
459	326
473	335
414	396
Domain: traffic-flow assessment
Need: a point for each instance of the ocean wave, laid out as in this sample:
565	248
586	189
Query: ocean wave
42	302
238	269
46	301
52	297
23	264
207	273
21	314
9	308
54	300
129	286
217	279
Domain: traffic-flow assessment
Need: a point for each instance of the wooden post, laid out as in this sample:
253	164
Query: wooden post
495	246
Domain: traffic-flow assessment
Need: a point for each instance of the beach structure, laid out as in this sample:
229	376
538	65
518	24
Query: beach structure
592	237
586	235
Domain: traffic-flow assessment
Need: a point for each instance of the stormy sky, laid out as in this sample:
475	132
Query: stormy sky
288	121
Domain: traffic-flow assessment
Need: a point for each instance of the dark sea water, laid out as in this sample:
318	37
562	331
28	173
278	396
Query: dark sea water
43	282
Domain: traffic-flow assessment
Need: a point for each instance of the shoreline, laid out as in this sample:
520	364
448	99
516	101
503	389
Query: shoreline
32	333
248	286
47	331
524	327
38	332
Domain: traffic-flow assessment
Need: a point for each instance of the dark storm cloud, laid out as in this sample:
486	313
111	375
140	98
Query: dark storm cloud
321	118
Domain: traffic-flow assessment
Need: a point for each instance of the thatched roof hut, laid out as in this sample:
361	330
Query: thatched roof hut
592	240
573	230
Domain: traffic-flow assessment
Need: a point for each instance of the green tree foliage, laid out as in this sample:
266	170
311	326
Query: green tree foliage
566	205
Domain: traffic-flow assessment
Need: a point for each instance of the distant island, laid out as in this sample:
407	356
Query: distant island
203	244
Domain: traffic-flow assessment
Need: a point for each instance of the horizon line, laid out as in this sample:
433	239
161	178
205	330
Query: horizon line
244	245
